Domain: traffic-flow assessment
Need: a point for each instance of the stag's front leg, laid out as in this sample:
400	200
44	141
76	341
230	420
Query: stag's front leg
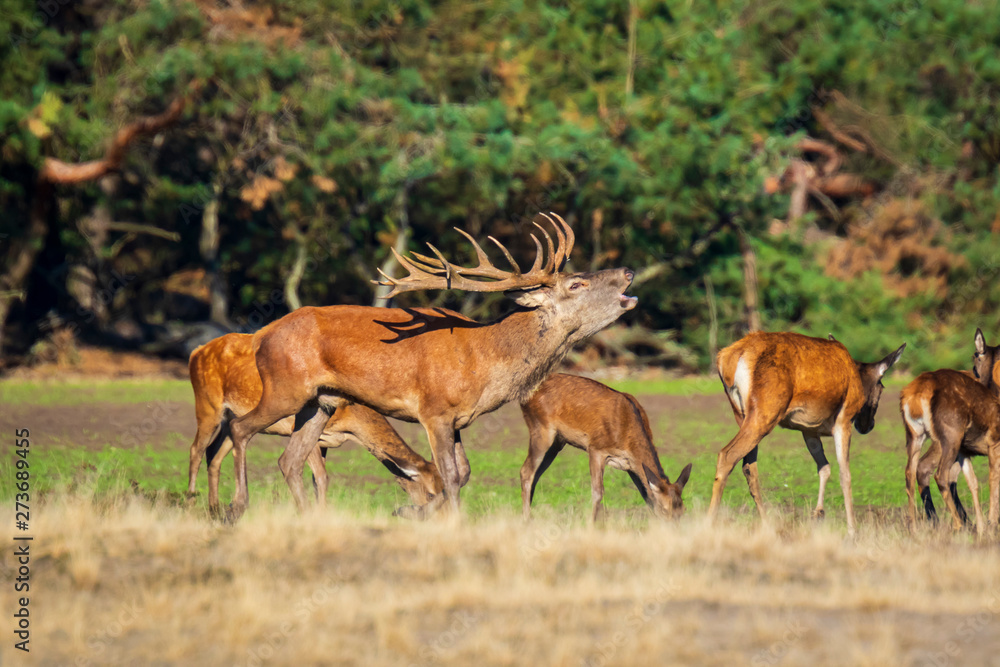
442	440
842	443
309	425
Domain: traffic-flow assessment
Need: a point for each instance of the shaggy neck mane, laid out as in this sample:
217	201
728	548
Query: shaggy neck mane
529	344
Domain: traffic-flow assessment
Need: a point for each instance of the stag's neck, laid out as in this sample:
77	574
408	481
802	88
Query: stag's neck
529	344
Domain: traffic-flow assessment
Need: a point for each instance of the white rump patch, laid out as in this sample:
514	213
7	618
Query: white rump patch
741	385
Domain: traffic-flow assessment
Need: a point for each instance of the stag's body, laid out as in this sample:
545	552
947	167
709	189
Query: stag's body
811	385
430	366
226	385
610	426
963	417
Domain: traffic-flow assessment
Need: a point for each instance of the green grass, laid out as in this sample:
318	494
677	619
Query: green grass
20	392
159	467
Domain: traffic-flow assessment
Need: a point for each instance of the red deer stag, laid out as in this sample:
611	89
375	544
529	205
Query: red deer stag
226	385
963	417
610	426
801	383
426	365
985	369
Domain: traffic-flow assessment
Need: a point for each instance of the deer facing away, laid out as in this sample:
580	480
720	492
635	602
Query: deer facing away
610	426
801	383
960	413
226	385
425	365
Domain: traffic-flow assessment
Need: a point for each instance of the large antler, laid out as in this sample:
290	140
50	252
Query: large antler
438	273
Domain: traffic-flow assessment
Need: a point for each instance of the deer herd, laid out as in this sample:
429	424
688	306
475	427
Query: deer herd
330	375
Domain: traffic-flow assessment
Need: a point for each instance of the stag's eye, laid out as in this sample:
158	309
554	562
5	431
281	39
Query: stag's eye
577	284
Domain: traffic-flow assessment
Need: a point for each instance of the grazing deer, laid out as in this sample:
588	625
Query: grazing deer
610	426
801	383
963	417
226	385
426	365
986	369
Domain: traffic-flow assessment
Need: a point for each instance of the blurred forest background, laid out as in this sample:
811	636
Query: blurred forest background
171	170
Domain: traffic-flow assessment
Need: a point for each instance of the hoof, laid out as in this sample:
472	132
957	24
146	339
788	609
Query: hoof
819	515
233	514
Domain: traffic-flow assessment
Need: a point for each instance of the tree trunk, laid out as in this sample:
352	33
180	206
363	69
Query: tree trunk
402	238
12	282
208	247
749	282
713	325
294	278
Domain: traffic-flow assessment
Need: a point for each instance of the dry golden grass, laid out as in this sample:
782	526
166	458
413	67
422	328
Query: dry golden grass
137	582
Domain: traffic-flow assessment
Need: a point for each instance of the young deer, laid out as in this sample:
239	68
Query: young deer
963	417
801	383
610	426
226	385
986	370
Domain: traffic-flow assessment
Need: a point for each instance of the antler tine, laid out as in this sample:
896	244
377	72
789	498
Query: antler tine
429	261
560	242
448	267
550	262
506	253
539	256
485	268
570	237
425	272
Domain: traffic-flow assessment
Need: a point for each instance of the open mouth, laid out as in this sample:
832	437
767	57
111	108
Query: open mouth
628	302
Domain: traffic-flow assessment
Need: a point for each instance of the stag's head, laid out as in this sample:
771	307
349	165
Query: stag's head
871	383
984	361
664	496
584	303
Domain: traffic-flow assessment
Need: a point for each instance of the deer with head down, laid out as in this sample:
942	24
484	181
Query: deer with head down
226	385
426	365
611	427
801	383
960	413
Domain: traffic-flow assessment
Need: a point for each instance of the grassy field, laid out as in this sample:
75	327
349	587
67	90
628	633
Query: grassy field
127	572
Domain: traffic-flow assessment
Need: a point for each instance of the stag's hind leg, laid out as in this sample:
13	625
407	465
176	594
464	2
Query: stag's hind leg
273	405
753	480
309	425
207	431
915	437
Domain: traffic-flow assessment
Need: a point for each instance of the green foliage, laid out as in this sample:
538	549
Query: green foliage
432	115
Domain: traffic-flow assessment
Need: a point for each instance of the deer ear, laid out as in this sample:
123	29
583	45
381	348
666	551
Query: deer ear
533	298
652	478
980	342
682	479
401	468
886	364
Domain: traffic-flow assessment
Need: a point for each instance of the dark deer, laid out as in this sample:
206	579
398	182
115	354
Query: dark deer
963	417
226	385
801	383
611	427
426	365
986	370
